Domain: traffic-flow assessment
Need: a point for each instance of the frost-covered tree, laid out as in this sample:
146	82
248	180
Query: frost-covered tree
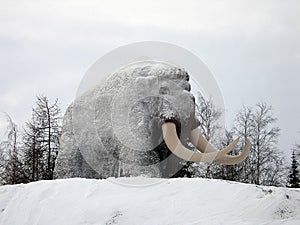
294	174
11	171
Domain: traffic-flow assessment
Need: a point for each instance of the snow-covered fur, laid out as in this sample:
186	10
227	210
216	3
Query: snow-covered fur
115	128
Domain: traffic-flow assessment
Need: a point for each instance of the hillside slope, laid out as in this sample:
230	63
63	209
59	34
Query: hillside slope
139	201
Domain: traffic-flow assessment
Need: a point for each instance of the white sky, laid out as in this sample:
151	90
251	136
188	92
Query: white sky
252	47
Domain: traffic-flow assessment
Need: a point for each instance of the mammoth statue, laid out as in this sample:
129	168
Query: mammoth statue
137	122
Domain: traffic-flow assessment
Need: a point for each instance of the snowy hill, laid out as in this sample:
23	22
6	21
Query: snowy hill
139	201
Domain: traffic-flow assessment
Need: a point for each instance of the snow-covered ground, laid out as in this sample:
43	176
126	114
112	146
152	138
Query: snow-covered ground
131	201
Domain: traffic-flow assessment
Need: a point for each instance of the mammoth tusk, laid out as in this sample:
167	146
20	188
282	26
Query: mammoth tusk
200	142
175	146
203	145
235	159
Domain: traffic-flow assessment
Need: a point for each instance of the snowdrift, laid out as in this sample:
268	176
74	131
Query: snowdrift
139	201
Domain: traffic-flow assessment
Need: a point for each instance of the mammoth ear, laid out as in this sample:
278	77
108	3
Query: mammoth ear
147	85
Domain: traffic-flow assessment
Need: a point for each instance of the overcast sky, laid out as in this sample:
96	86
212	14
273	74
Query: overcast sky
252	48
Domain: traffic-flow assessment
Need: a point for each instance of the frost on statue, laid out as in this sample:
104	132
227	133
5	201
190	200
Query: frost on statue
137	122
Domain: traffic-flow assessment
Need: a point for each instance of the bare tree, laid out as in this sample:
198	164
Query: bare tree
33	150
11	166
208	115
265	163
41	139
244	128
227	172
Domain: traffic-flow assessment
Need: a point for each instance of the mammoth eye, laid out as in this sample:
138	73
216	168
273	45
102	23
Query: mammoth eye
164	90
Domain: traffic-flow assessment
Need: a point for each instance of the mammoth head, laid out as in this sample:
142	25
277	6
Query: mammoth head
141	114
